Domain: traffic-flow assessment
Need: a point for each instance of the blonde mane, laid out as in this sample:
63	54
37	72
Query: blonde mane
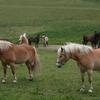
23	39
5	44
74	47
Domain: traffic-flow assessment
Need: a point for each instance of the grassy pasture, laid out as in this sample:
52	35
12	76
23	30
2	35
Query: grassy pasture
62	20
51	83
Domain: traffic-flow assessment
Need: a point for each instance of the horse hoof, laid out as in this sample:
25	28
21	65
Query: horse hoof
8	66
14	81
3	81
30	79
90	91
82	90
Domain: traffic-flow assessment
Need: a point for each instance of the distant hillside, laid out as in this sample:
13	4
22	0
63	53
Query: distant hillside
61	20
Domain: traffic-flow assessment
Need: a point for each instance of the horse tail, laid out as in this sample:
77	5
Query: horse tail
36	66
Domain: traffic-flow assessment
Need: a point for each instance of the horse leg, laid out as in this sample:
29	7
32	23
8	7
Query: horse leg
47	43
36	45
44	44
98	44
13	69
89	72
82	89
93	44
5	73
85	42
29	71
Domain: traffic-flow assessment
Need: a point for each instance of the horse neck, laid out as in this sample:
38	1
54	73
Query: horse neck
75	56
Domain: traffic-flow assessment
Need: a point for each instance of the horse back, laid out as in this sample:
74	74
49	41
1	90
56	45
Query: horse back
23	47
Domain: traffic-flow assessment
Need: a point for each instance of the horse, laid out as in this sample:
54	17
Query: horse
23	39
87	58
87	38
35	39
12	54
45	40
93	39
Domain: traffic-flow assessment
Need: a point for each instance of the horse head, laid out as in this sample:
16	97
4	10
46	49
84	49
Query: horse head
62	57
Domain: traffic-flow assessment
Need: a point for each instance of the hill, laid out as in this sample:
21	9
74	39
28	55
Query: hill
61	20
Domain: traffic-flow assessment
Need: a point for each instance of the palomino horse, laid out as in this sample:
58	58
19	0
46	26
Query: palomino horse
23	39
87	58
11	54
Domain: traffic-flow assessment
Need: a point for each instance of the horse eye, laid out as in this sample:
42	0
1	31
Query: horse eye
60	56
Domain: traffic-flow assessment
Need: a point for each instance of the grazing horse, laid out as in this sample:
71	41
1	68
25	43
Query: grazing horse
11	54
35	39
93	39
87	58
23	39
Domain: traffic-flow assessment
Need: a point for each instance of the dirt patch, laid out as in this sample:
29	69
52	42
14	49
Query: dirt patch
51	47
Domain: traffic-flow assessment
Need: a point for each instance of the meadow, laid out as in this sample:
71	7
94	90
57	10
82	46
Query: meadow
62	21
51	83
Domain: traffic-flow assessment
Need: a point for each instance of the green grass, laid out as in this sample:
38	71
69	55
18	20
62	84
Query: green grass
61	20
66	19
51	83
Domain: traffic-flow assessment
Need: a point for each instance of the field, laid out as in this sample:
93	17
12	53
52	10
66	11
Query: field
62	21
51	83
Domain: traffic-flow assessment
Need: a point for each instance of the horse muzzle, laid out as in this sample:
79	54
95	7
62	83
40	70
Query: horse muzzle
58	65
